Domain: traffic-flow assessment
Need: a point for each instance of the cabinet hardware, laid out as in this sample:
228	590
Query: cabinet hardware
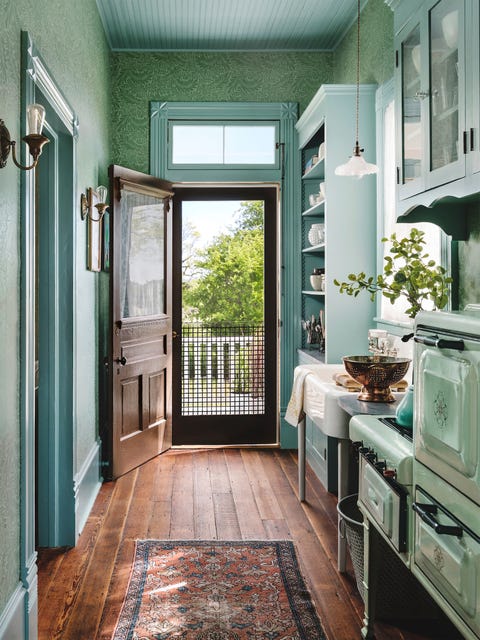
422	94
472	139
396	58
398	175
122	361
465	143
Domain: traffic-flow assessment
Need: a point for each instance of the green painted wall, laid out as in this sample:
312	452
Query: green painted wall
376	47
138	78
70	38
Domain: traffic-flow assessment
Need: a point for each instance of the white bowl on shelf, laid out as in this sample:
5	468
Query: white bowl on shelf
416	57
317	282
322	189
450	29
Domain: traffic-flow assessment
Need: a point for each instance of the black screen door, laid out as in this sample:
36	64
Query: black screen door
225	316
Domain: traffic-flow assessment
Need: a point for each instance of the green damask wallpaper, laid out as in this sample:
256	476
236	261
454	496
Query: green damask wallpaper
376	52
138	78
70	39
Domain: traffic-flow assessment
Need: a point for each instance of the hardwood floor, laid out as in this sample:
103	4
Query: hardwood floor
235	494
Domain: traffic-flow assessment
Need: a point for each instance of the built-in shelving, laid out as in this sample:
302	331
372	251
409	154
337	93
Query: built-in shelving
348	216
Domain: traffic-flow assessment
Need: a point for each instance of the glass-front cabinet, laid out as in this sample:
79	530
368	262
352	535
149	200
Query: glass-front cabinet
431	97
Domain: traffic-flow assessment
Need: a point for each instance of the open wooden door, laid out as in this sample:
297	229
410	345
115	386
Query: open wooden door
140	340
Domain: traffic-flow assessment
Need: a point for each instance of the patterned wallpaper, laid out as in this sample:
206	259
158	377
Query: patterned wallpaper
376	47
210	77
69	37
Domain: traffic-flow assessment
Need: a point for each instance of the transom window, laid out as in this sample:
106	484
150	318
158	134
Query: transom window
232	144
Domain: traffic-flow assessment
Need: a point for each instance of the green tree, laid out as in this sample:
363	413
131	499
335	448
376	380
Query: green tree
230	285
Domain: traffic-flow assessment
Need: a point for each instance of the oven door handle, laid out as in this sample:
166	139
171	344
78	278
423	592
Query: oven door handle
440	343
427	513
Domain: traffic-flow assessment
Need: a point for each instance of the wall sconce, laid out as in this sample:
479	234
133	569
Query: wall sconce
86	203
34	139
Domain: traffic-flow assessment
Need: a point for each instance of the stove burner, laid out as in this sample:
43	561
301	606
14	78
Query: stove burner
393	424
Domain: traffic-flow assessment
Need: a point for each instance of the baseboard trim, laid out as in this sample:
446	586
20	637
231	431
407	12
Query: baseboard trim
87	484
12	618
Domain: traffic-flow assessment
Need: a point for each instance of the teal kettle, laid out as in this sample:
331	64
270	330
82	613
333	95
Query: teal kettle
404	413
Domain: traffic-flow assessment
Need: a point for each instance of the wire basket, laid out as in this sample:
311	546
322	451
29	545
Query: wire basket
351	528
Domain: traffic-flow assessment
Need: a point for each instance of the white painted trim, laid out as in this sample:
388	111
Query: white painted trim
12	620
86	485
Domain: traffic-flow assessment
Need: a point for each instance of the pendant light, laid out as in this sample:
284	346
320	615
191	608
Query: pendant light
357	166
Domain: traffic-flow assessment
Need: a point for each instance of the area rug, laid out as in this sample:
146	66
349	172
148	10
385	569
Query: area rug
215	590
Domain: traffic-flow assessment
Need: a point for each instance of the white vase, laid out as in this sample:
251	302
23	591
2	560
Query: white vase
318	282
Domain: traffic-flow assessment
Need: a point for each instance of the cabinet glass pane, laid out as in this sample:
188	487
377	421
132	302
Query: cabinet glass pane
411	107
444	124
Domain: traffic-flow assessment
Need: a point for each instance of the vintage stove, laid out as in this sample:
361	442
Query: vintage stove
446	471
421	490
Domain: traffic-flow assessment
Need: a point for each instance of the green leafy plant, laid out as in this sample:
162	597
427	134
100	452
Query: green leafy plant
407	272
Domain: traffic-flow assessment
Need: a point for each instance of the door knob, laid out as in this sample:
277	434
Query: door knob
122	361
174	334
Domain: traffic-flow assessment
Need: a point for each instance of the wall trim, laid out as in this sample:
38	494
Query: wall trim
12	619
86	485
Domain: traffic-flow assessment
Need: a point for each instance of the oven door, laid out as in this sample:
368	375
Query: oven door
447	410
447	550
386	502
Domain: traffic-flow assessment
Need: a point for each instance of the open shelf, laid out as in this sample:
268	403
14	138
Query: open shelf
316	210
318	248
313	293
316	171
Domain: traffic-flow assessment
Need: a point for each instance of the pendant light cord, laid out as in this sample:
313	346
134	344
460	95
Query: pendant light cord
357	150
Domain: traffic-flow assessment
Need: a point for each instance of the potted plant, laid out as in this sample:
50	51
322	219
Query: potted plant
407	272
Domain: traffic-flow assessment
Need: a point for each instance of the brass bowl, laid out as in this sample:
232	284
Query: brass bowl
376	374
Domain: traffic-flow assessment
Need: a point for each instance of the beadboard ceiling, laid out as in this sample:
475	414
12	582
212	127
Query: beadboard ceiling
226	25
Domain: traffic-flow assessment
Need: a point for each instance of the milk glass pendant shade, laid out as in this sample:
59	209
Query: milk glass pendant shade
357	166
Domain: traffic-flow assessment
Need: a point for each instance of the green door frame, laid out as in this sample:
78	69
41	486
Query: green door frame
57	483
287	175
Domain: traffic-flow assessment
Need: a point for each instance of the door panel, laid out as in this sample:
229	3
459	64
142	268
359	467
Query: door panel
140	327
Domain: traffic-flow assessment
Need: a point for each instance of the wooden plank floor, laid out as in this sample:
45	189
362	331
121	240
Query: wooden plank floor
224	494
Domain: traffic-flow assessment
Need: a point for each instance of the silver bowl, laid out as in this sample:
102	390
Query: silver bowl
376	374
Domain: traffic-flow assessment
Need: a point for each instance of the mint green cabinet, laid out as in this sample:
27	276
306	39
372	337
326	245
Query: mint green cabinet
437	100
326	130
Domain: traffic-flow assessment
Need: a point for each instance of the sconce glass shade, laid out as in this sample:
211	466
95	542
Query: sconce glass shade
102	193
35	119
357	166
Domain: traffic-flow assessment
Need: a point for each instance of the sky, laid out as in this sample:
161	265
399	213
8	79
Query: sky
210	219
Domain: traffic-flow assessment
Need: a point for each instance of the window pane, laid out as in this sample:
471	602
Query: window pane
197	144
249	145
142	278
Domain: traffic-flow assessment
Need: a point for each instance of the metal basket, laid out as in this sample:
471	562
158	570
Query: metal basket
351	528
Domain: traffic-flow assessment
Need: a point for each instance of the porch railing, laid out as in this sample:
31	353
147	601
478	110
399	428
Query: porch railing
223	368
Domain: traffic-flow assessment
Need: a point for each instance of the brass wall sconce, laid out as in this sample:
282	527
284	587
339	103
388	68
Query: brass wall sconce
34	139
86	203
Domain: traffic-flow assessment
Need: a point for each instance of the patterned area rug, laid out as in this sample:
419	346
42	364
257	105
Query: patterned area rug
214	590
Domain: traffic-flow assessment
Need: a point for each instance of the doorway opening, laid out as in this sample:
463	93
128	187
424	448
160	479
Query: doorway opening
225	316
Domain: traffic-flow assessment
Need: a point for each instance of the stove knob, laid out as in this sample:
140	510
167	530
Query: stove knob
381	465
364	450
371	457
357	444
